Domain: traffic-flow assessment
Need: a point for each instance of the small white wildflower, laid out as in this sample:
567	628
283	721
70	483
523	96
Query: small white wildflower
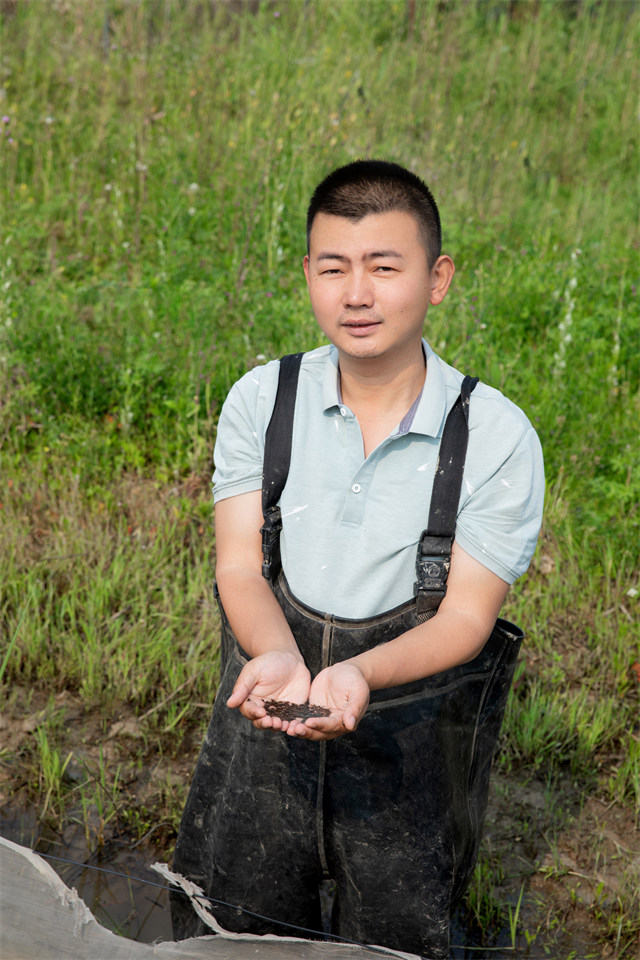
193	188
613	372
191	211
260	356
140	166
49	120
108	187
632	592
126	245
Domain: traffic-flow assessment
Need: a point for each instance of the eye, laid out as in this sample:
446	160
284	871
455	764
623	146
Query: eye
383	268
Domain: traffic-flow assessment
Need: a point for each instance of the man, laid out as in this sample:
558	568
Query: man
385	792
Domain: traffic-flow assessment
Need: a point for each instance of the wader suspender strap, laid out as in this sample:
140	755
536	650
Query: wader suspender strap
434	547
277	458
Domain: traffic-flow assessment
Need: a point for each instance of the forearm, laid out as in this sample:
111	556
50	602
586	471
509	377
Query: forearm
447	640
255	615
455	635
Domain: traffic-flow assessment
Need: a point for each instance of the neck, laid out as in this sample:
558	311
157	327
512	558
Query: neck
379	381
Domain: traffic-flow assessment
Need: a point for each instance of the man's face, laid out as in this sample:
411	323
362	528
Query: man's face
370	283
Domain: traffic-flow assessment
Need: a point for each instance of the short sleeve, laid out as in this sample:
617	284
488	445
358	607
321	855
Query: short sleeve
503	492
239	447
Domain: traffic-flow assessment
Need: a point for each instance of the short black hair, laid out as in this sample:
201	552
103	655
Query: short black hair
378	186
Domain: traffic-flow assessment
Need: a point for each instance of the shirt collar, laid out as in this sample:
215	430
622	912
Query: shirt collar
330	388
432	406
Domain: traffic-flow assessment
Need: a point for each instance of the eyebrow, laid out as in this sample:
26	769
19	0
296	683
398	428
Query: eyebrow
376	254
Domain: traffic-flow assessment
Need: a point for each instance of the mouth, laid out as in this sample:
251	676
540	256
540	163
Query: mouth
360	327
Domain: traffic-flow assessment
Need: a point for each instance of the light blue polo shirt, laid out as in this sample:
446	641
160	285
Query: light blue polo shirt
351	526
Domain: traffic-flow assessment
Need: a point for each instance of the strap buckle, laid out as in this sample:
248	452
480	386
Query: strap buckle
270	531
433	562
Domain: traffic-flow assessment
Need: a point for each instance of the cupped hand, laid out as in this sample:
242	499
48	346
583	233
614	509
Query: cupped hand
276	675
343	689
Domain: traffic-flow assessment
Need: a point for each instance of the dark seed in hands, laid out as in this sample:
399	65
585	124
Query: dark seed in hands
286	710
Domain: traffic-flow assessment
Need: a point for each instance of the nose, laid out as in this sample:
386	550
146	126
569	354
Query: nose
358	290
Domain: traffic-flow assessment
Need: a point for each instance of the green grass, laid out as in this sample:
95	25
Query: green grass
155	164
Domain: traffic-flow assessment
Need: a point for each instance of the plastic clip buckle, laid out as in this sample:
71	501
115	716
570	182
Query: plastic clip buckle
432	574
270	531
432	564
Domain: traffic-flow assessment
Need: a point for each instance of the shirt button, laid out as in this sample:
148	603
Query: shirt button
343	411
356	488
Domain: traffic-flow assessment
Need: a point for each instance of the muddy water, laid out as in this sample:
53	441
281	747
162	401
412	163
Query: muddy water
126	906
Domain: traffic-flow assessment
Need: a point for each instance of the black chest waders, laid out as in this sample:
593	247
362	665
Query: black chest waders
392	812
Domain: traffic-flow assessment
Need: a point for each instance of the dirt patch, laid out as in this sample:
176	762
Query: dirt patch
577	864
113	761
591	873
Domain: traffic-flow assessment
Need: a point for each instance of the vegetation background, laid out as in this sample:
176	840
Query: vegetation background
155	163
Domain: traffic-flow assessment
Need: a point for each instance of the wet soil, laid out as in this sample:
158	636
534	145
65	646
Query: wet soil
286	710
570	854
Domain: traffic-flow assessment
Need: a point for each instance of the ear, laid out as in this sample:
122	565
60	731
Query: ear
441	276
305	267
